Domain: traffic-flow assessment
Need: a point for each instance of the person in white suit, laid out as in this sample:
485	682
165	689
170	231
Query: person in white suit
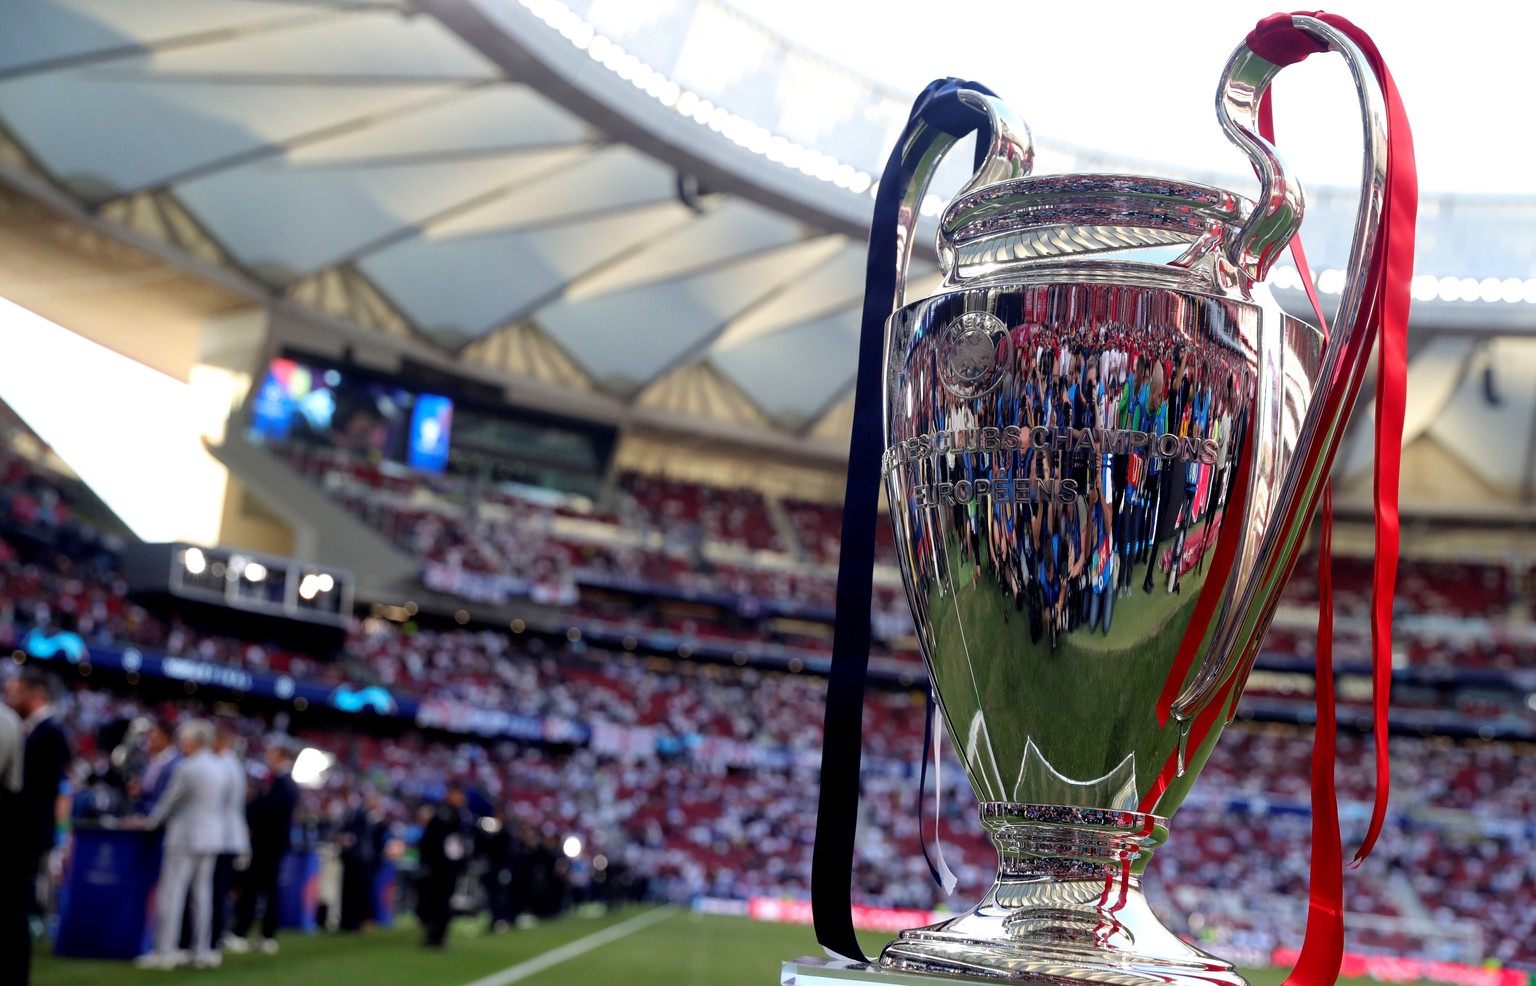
192	813
228	750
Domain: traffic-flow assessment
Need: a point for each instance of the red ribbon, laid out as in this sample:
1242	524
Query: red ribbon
1384	316
1322	949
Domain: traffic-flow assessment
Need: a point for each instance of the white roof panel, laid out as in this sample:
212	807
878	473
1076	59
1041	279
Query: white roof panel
795	373
614	177
104	131
284	220
461	288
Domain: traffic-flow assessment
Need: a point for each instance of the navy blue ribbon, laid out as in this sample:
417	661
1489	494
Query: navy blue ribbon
939	111
929	753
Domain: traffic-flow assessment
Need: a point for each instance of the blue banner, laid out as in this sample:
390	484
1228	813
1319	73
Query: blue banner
358	699
386	889
298	890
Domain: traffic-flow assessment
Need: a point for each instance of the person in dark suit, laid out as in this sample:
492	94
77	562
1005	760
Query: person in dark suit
444	849
270	818
362	839
15	935
45	756
162	752
497	847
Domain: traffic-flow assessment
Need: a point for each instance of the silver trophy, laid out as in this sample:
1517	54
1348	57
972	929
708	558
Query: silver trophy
1105	441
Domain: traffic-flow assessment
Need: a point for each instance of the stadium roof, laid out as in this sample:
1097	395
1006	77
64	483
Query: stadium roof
658	204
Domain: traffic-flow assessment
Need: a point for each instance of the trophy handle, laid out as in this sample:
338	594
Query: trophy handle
1004	150
1348	351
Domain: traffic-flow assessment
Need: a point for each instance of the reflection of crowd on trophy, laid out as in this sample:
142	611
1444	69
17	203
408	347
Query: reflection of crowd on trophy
1123	460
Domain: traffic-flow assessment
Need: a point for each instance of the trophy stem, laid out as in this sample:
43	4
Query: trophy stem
1066	909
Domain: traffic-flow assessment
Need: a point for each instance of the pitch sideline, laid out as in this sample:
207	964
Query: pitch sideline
572	949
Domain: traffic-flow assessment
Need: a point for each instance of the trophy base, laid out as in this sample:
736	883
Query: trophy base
1066	909
814	971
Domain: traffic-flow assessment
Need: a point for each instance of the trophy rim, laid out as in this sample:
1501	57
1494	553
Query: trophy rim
1208	200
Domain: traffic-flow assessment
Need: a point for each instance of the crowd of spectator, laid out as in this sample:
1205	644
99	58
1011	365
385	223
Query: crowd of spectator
1459	852
675	536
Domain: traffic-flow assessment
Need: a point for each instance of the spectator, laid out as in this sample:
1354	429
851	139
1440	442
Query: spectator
45	757
236	848
163	755
191	810
443	851
498	849
270	815
15	935
362	837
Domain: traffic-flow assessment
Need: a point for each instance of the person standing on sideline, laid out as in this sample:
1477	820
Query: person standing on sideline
362	837
445	844
270	815
160	744
45	755
15	935
227	750
496	848
191	811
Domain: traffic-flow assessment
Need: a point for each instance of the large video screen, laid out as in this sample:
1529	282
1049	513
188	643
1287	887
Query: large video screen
326	406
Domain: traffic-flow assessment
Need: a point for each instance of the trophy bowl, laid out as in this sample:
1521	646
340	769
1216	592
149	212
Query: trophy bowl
1104	442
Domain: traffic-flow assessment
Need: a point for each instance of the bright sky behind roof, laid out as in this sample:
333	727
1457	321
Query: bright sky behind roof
1139	78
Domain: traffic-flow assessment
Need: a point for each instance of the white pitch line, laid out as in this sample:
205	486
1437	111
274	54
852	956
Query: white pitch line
570	950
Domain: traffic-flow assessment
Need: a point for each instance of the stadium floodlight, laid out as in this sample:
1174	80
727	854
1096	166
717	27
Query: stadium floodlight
255	571
311	766
572	847
195	561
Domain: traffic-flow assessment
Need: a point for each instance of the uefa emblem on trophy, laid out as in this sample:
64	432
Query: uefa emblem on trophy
1104	444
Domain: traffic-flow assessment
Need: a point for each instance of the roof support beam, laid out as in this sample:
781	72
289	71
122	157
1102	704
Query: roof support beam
284	147
117	52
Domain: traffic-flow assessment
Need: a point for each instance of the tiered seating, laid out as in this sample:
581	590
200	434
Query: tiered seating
1459	832
725	516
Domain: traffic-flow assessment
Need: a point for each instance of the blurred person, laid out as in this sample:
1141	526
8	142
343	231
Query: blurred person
548	877
96	795
163	754
270	817
45	756
191	810
235	851
15	935
443	850
362	840
522	892
497	846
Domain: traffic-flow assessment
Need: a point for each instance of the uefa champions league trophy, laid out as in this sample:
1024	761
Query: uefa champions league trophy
1104	442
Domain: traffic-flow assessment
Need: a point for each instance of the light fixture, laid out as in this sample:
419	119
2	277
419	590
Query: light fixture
311	766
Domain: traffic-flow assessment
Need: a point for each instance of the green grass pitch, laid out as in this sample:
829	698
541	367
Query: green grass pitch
683	949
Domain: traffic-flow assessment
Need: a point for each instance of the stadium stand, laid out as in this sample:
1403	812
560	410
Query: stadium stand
600	642
697	778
